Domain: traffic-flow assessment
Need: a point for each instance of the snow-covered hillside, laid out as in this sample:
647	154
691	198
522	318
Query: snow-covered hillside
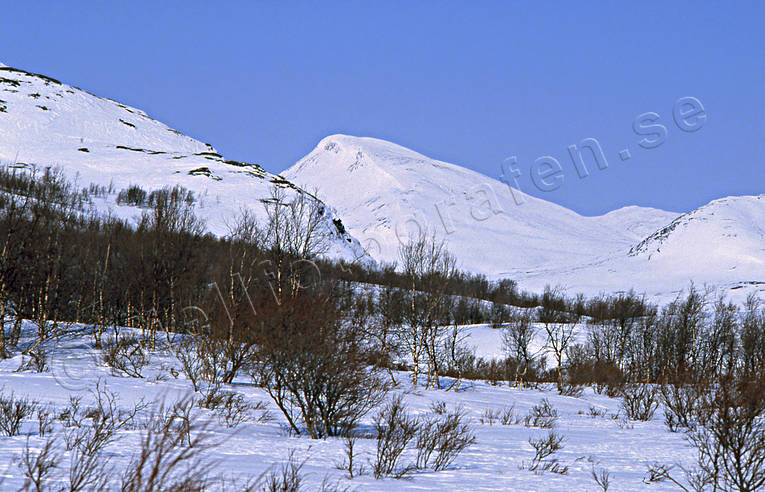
384	191
44	122
720	245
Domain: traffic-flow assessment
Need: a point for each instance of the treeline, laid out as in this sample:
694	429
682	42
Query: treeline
61	261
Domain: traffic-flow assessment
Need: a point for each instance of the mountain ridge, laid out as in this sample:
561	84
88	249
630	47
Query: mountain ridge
503	232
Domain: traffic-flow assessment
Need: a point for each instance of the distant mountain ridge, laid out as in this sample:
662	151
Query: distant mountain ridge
385	191
382	189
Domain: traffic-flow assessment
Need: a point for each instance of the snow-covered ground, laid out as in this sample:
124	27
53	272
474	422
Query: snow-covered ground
495	462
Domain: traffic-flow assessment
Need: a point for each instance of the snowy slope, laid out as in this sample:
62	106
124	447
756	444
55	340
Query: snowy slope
384	191
720	245
494	463
44	122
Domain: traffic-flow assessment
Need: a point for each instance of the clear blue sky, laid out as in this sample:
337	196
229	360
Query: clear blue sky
466	82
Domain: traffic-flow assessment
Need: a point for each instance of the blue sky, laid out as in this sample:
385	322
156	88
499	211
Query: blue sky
467	82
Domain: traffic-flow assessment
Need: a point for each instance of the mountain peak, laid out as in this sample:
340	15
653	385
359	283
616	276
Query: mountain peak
383	190
363	150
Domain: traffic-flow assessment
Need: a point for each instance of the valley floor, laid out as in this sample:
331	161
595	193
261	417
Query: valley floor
496	462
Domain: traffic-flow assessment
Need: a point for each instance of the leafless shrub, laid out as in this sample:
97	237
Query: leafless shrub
572	390
543	415
683	405
693	479
439	407
89	467
44	421
544	448
602	477
508	416
37	362
447	436
37	467
612	387
13	411
596	412
639	401
328	485
234	410
314	368
287	477
729	438
71	416
350	463
192	365
212	397
125	355
180	418
622	421
107	408
263	414
92	437
395	429
167	461
489	416
731	443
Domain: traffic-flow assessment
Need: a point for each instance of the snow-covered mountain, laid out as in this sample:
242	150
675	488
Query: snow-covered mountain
384	191
44	122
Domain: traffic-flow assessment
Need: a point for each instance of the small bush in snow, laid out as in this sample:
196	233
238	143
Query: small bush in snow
544	448
639	401
602	478
13	411
441	440
37	467
395	429
543	415
286	478
125	355
489	416
44	421
234	410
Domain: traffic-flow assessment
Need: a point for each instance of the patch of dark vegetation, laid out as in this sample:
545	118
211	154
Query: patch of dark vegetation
209	154
134	149
35	95
134	196
48	80
339	225
11	82
83	149
44	108
237	163
204	171
127	123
